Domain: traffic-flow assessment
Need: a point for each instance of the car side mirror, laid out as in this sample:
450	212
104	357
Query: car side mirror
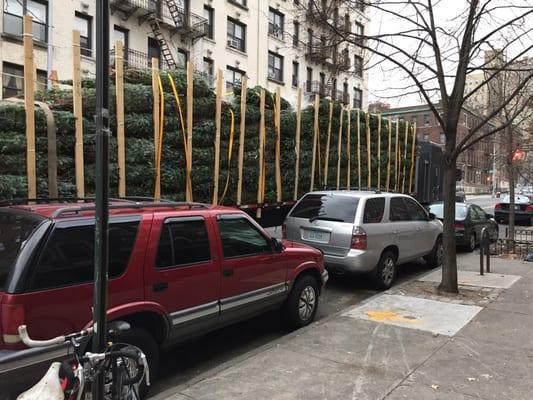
277	246
432	217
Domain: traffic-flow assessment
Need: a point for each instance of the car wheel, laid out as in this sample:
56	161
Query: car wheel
146	342
434	259
385	271
302	304
471	246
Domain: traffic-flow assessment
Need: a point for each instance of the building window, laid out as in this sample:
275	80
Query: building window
295	73
414	119
13	80
209	15
347	23
309	80
310	40
358	65
360	5
322	81
183	57
14	11
233	77
275	23
236	35
334	89
345	95
275	67
426	119
83	23
208	69
357	98
296	34
359	29
153	50
121	35
241	3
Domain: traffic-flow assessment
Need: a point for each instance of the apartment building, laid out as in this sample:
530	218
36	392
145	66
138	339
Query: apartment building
275	43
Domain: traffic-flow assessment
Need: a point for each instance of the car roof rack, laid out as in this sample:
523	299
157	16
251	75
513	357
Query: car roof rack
136	205
48	200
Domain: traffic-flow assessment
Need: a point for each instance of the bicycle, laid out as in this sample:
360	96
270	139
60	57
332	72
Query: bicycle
123	367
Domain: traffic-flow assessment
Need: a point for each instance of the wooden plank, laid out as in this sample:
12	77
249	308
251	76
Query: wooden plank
29	107
244	92
218	127
379	151
412	159
261	180
277	122
157	190
78	115
348	148
52	149
297	149
389	155
368	152
190	86
121	141
155	108
339	150
328	142
396	158
405	155
315	139
358	150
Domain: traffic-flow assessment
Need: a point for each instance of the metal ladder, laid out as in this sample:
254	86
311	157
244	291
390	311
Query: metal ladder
178	16
163	45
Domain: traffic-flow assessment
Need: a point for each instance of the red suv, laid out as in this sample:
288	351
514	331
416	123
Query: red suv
176	270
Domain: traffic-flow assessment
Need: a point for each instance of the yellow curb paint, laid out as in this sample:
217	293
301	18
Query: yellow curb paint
384	316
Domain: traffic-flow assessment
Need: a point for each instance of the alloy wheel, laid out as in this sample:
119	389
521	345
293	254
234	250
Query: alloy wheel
387	273
307	303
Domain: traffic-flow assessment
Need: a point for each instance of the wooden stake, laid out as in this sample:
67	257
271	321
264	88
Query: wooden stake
155	111
277	122
339	150
405	155
368	152
244	90
315	140
261	181
218	127
78	115
389	155
121	145
328	141
396	158
348	150
358	150
52	149
412	159
159	147
189	193
29	106
297	149
379	151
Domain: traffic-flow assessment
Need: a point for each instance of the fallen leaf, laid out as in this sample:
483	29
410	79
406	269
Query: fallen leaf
434	387
486	376
471	379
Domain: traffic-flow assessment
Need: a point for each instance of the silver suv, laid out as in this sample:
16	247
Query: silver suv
366	231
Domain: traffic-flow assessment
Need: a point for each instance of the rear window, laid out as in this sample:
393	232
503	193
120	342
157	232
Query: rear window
327	207
374	209
15	229
438	210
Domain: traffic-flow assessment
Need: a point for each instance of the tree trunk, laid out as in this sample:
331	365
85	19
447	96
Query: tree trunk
449	265
510	236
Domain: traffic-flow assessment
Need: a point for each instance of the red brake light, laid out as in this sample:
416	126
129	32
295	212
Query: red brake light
458	225
13	315
283	231
498	206
359	237
529	208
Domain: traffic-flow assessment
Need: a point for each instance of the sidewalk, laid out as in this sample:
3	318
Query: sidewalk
407	343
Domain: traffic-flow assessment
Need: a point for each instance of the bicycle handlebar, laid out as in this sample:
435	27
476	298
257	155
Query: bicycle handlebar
23	332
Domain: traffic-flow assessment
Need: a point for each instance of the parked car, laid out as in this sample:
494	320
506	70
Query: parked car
176	271
523	210
366	232
470	219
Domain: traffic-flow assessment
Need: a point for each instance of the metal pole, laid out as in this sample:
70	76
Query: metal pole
493	168
102	186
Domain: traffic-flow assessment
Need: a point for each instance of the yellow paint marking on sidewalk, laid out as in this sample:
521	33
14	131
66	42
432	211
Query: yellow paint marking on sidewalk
384	316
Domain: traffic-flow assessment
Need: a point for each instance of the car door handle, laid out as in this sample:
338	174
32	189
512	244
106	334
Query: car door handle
160	286
227	272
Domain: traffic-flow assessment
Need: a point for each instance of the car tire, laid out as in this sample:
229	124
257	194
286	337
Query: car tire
146	342
471	246
434	259
385	272
302	304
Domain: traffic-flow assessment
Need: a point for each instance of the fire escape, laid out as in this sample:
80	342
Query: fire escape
160	14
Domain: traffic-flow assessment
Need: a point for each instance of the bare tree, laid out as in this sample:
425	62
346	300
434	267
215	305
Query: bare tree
436	44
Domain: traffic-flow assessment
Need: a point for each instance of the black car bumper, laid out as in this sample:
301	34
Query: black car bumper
521	218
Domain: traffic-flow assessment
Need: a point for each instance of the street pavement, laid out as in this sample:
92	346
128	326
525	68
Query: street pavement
406	343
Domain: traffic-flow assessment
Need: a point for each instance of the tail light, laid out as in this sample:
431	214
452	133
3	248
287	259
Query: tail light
359	237
529	208
498	206
283	231
13	316
459	226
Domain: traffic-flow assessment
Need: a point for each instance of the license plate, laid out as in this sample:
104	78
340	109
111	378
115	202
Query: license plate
316	236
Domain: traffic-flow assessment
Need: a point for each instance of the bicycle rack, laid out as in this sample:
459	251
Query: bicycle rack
484	249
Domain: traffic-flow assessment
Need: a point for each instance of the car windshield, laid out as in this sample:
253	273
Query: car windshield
15	229
438	210
328	207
